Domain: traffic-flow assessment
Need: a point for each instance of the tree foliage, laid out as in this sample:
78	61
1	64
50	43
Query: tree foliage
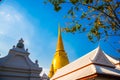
102	17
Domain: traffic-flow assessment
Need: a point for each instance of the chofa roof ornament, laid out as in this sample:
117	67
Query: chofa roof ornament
20	43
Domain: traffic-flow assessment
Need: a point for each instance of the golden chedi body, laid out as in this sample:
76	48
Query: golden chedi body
60	58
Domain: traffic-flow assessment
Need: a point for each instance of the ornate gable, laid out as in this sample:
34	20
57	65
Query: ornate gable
101	59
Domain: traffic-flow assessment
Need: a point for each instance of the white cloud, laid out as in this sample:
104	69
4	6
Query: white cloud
13	25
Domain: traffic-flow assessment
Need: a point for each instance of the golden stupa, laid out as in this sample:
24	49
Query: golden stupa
60	58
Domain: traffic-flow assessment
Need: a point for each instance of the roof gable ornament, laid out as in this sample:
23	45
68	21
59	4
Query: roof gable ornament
20	47
20	43
101	59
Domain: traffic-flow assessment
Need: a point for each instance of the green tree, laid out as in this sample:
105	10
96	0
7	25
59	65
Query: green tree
102	17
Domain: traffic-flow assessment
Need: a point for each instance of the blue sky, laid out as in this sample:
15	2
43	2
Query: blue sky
37	24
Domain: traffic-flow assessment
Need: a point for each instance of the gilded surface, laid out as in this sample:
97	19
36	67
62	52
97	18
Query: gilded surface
60	58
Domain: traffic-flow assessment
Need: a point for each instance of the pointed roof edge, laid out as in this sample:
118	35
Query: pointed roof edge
101	54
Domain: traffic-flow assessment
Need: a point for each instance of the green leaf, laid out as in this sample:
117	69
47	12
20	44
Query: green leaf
83	15
67	29
89	18
74	1
78	26
57	8
118	12
107	0
106	33
84	29
90	36
88	1
100	7
77	8
73	29
70	11
61	1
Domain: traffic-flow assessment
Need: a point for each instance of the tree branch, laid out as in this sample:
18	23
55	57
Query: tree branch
117	19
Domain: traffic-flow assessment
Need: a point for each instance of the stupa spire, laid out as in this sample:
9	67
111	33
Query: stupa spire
60	58
60	45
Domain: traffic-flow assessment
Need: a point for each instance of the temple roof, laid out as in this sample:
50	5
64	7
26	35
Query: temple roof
112	59
18	58
93	62
45	77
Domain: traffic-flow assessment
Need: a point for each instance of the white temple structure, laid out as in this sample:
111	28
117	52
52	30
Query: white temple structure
45	77
18	66
95	65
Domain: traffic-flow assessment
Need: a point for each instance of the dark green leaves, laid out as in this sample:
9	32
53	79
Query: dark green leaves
101	7
56	4
73	29
83	15
71	12
102	17
74	1
88	1
57	7
107	0
90	36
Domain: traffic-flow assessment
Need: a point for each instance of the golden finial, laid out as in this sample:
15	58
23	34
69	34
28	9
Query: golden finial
60	58
60	42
